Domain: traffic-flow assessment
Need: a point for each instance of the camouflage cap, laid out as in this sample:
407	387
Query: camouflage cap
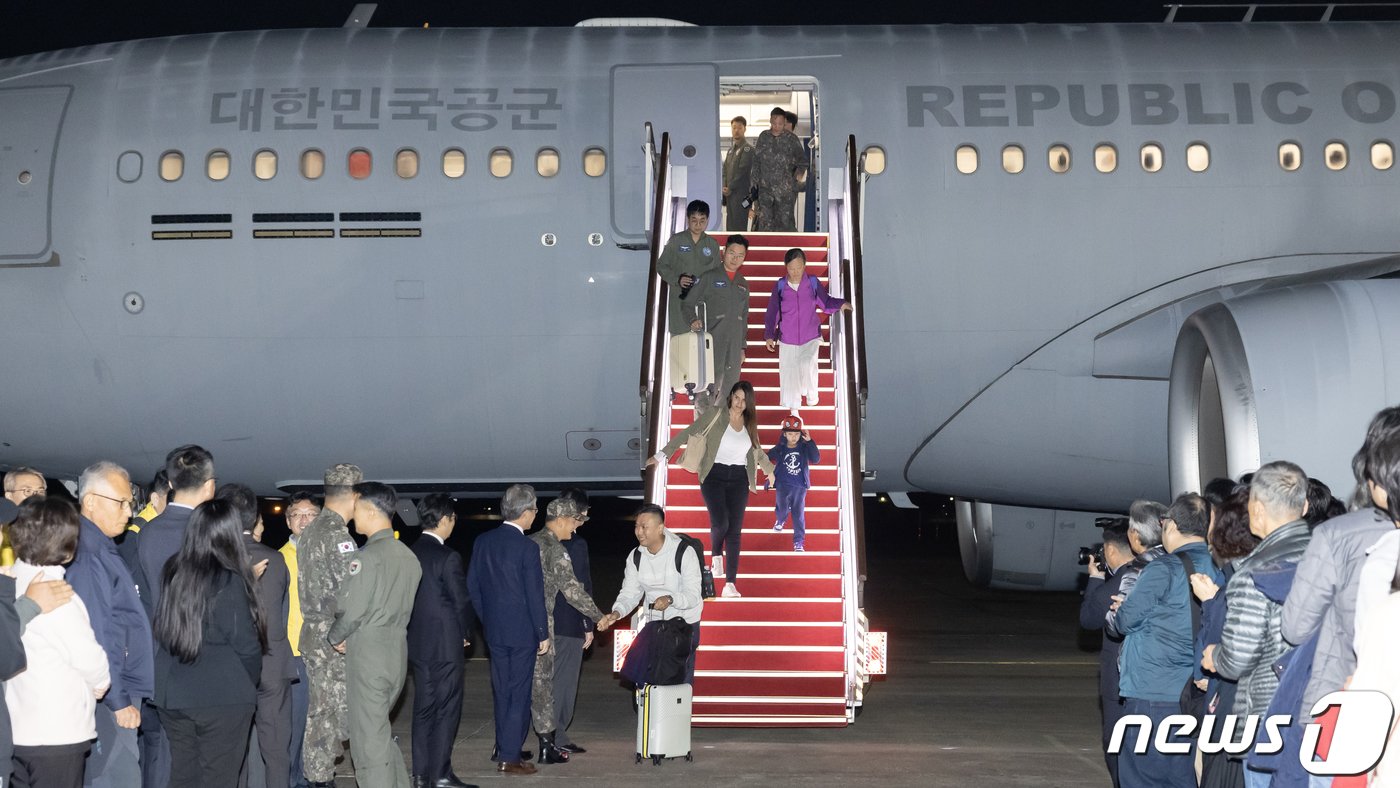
563	507
343	474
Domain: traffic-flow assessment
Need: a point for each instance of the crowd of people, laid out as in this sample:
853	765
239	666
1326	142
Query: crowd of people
1250	600
172	648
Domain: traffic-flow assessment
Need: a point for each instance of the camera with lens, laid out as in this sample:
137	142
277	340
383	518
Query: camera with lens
1095	552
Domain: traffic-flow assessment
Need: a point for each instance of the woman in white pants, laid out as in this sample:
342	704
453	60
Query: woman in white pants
793	327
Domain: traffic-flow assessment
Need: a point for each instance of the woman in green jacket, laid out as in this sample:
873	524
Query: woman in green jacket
728	471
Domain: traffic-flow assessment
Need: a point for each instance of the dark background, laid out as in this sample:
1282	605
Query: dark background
28	26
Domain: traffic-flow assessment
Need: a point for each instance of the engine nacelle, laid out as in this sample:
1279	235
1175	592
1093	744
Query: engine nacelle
1015	547
1289	374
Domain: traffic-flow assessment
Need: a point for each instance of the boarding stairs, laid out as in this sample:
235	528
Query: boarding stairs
793	650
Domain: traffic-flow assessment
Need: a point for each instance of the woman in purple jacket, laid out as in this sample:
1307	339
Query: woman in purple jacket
793	320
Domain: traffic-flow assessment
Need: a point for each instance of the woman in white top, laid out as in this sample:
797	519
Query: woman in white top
728	471
52	702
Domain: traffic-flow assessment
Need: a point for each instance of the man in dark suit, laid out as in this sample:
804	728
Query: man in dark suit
268	764
1098	597
506	584
442	618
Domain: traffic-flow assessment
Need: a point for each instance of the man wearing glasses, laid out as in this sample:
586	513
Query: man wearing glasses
563	517
102	580
20	485
301	510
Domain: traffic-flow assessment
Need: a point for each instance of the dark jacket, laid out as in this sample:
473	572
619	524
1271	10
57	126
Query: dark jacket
568	622
506	583
1323	600
1253	638
1098	597
442	611
1159	652
792	465
102	580
160	541
272	589
229	664
1130	577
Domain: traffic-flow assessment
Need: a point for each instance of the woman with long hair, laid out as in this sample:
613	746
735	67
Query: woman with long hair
210	637
51	703
728	471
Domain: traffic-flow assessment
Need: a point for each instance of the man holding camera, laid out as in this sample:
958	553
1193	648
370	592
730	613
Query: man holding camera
1104	580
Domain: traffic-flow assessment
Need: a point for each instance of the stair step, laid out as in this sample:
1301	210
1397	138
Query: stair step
772	608
739	633
778	586
819	418
789	721
768	540
792	683
766	708
805	660
817	500
698	520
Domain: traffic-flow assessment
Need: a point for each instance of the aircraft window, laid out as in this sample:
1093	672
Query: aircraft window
1059	158
873	160
502	162
1105	158
1151	157
1197	157
264	164
1013	159
313	164
547	162
360	163
966	159
1335	154
595	162
454	163
1290	156
172	165
406	163
217	165
1382	155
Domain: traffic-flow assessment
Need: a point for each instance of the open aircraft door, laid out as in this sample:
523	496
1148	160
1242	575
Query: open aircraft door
682	99
30	120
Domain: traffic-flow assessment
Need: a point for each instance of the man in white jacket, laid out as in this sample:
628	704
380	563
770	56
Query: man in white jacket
651	578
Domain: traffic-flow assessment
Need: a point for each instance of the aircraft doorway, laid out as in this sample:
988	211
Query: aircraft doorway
753	98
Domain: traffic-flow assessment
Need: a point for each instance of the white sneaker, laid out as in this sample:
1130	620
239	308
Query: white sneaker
777	526
811	400
730	590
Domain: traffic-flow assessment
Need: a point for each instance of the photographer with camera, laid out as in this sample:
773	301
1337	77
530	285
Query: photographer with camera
1104	562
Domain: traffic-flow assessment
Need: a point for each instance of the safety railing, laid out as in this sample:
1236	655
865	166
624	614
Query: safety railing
655	384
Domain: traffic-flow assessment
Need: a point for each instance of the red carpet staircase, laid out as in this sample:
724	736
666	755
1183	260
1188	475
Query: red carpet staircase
775	656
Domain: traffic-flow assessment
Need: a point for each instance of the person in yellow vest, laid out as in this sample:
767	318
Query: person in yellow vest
156	499
21	484
302	508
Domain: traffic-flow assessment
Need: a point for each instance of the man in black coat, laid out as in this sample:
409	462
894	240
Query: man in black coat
441	627
1098	597
268	764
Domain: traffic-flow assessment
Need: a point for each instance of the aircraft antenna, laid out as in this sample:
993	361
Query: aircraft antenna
360	15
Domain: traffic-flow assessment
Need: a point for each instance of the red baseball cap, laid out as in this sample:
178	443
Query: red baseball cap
792	424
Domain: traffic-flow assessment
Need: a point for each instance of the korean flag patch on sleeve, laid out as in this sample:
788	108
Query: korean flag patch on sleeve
345	547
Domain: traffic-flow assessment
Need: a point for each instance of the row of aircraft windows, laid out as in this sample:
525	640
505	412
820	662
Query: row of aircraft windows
1152	158
359	163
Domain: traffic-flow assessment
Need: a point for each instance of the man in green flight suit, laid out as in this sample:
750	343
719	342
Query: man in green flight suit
725	294
689	254
737	182
564	517
371	630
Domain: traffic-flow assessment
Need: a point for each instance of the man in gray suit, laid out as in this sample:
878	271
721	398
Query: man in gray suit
737	184
269	755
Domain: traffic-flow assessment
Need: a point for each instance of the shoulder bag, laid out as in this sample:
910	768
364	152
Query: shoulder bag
695	445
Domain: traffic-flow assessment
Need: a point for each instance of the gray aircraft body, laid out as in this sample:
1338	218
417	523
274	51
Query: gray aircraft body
300	247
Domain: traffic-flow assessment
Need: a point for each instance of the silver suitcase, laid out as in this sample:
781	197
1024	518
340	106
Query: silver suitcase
663	722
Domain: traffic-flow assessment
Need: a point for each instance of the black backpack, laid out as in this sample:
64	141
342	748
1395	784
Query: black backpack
707	580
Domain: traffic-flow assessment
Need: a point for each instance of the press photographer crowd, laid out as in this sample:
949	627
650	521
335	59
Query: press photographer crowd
1250	600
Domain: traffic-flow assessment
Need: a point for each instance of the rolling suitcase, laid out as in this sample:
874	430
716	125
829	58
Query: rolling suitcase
692	362
663	722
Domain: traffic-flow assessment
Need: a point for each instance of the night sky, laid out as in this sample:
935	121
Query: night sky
31	26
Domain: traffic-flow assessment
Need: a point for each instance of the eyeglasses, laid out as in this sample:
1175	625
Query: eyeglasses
29	491
126	503
582	518
301	515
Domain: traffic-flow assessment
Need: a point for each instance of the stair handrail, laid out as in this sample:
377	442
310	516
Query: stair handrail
852	328
654	387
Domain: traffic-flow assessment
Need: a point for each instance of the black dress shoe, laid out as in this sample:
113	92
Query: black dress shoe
451	781
417	781
571	748
525	755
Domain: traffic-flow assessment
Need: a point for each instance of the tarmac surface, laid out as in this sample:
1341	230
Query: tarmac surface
984	688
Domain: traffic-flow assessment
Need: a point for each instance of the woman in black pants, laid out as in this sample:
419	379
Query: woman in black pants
210	638
728	471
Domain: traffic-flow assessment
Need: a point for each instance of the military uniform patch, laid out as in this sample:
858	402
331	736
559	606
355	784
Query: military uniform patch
355	566
346	547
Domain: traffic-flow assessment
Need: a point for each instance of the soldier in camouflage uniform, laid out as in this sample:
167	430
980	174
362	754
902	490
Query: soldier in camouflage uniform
371	629
779	168
564	517
324	552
